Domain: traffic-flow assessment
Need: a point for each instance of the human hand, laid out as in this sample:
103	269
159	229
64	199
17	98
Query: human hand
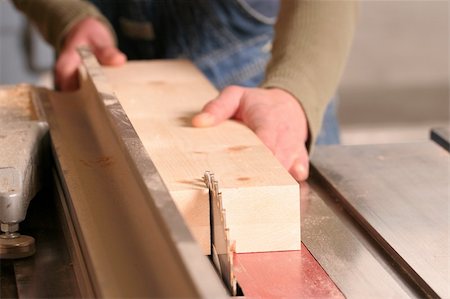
273	114
88	32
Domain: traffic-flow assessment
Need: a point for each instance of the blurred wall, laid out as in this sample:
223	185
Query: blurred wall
24	56
395	86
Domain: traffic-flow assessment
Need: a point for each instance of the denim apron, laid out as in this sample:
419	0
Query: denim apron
228	40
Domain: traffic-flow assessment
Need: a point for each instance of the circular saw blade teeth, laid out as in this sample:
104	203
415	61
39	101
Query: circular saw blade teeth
226	259
224	220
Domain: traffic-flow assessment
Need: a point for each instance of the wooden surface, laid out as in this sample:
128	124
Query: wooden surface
132	242
261	199
16	103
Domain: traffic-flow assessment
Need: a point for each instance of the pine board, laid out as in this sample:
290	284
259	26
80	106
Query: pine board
261	199
16	103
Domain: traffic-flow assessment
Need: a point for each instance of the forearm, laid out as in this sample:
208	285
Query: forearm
311	44
55	18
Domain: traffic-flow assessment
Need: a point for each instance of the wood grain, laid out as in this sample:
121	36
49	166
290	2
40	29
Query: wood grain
261	199
16	103
123	230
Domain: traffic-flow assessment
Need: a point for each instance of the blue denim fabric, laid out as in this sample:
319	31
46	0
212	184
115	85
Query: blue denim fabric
329	134
228	40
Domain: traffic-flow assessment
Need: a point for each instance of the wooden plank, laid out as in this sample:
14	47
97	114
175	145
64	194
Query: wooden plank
260	197
16	103
132	239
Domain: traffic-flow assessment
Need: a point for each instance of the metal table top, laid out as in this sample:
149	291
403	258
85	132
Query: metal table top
399	193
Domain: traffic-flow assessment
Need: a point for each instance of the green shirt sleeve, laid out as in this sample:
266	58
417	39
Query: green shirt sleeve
55	18
312	41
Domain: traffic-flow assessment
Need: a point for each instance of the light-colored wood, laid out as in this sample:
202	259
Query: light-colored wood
261	199
132	239
16	103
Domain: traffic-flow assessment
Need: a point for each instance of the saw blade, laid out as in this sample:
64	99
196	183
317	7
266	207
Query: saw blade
221	248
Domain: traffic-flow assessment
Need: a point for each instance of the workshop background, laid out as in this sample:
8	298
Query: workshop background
394	89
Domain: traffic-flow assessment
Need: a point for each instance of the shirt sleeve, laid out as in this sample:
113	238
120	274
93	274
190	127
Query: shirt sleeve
312	41
55	18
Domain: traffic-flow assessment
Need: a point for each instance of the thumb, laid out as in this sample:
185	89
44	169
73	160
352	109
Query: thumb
300	168
110	56
221	108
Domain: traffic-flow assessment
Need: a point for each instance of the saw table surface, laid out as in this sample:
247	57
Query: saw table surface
399	193
338	259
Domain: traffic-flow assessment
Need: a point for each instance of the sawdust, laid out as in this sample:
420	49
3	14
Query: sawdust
16	103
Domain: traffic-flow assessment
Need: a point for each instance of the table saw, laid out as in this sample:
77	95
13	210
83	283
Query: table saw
109	218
